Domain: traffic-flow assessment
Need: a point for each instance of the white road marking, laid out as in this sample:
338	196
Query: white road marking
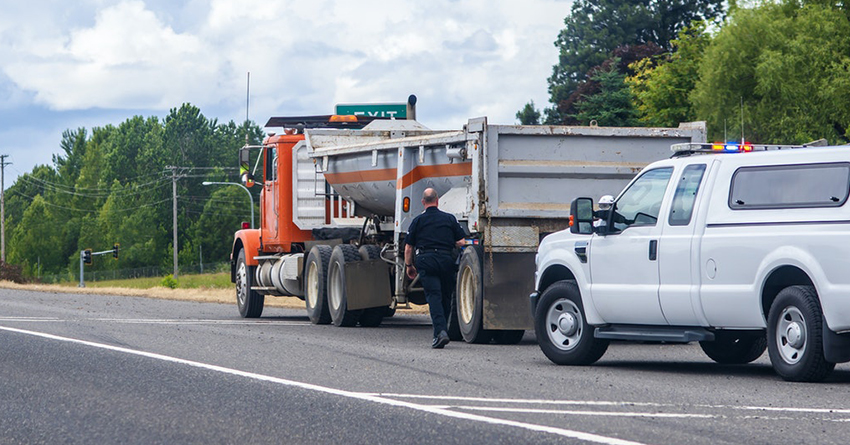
587	413
620	404
165	321
588	437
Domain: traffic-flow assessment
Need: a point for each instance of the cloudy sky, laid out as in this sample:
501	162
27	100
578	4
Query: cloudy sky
88	63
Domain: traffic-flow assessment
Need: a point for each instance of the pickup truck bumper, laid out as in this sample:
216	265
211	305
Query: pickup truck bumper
534	298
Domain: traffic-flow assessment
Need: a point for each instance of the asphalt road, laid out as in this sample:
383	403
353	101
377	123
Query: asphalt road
101	369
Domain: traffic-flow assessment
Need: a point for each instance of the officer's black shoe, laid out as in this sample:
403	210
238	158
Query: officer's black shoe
440	340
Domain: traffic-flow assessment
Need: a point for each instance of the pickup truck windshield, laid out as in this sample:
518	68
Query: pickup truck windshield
641	202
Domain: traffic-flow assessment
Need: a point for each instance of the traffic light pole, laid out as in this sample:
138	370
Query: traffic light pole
82	261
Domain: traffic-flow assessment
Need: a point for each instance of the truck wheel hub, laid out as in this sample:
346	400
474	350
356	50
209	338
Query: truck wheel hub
567	324
795	336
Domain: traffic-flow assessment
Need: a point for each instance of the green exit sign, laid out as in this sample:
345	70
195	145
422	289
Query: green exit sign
395	111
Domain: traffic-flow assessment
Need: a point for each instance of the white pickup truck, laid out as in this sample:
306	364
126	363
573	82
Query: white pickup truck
740	248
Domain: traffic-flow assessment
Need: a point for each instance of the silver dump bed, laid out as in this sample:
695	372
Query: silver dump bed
487	175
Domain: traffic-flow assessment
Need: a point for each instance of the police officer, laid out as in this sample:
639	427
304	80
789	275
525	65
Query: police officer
432	236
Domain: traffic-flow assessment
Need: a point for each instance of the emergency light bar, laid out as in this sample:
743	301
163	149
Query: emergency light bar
735	147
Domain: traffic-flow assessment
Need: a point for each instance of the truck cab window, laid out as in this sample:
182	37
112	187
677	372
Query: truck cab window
641	202
686	194
271	164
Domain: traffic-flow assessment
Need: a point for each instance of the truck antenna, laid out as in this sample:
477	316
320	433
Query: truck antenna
247	105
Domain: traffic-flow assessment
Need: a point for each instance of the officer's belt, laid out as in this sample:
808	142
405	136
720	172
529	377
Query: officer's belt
421	251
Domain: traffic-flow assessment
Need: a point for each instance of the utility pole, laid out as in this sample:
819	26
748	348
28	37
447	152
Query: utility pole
174	178
3	165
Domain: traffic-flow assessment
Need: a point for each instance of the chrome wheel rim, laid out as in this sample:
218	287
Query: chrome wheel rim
565	324
466	295
791	335
312	285
241	284
335	288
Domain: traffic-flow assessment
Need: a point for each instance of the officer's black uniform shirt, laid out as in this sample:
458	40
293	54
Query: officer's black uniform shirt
434	229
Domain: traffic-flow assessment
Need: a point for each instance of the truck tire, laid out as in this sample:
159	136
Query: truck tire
337	298
452	321
372	317
249	302
795	335
470	293
510	337
315	284
735	348
561	327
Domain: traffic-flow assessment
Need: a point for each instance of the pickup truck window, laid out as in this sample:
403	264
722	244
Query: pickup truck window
641	202
790	186
686	195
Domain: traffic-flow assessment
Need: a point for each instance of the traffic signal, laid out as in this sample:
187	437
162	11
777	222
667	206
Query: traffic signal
87	256
115	250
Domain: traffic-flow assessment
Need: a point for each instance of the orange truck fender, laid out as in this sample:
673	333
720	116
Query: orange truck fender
248	239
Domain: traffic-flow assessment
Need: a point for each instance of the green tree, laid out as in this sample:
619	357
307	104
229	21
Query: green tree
595	28
528	115
782	69
35	239
612	105
662	86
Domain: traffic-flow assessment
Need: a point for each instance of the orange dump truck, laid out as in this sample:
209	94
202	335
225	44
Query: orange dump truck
339	192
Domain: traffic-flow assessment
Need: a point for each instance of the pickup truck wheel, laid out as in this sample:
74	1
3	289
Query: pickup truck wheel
372	317
337	298
734	348
316	279
561	327
470	293
249	302
795	335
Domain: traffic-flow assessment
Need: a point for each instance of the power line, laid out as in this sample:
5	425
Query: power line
73	209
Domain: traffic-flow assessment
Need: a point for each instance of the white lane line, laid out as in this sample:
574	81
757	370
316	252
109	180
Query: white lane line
619	403
588	437
159	321
587	413
29	319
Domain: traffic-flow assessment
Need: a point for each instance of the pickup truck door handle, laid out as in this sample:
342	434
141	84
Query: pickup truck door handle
653	250
581	251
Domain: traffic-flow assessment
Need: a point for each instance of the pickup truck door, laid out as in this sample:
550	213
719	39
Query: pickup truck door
623	264
678	251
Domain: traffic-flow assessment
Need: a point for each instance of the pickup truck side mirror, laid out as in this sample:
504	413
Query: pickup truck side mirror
581	216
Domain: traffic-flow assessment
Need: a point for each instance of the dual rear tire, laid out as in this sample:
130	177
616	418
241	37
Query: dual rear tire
325	294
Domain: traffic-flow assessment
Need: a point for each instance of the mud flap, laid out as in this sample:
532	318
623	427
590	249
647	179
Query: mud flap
836	347
367	284
506	288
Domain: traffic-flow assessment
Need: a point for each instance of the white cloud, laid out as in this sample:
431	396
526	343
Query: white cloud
462	59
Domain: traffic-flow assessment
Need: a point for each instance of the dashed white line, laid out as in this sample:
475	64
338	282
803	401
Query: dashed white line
588	437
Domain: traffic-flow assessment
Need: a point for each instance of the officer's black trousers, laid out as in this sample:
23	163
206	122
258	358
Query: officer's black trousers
437	274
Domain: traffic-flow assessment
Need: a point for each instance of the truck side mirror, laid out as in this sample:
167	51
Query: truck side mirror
581	216
245	166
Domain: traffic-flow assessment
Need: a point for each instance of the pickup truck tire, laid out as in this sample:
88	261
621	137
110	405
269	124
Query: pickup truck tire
469	296
337	298
795	335
249	302
735	348
315	284
561	327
